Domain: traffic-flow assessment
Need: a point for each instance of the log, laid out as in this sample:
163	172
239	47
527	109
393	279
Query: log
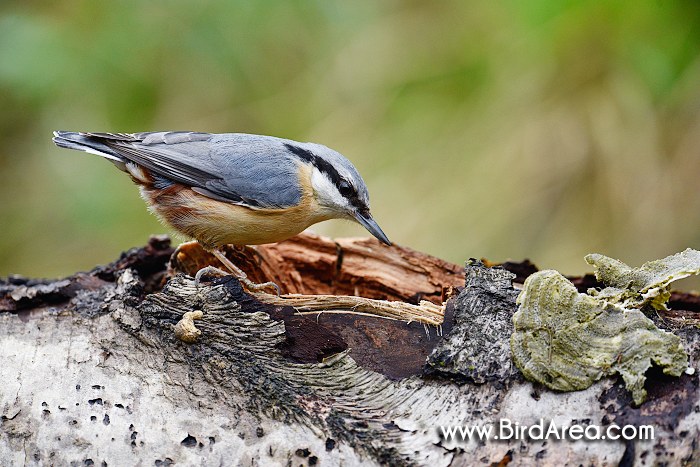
94	372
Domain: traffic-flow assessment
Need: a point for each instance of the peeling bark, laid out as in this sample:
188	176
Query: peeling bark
94	374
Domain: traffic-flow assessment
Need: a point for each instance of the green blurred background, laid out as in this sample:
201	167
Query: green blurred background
545	129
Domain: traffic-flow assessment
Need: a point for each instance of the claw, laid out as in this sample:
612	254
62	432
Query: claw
207	270
253	287
236	272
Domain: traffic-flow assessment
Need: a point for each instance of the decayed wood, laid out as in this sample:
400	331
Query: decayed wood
349	276
312	264
94	372
425	312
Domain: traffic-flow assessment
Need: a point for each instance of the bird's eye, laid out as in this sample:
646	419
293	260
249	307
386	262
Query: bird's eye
345	188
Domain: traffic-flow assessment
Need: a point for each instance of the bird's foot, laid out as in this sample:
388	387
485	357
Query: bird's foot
236	272
253	287
208	270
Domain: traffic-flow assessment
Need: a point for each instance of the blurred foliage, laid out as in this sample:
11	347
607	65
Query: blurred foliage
545	129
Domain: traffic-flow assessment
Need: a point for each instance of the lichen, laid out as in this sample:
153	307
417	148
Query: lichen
648	284
567	340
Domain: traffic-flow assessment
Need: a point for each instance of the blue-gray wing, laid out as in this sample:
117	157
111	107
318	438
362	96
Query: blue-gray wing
252	170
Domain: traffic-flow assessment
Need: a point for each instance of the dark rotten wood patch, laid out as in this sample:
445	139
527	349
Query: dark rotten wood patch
311	264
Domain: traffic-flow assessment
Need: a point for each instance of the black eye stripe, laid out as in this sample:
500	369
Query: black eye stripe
343	186
321	164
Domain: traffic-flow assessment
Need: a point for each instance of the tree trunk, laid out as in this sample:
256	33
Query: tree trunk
94	371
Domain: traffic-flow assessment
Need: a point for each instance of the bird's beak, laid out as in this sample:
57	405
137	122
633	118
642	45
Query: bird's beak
368	223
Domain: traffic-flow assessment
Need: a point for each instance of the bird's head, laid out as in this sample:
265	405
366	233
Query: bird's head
338	186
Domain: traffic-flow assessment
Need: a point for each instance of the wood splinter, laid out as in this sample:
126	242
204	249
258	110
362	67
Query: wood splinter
341	276
425	312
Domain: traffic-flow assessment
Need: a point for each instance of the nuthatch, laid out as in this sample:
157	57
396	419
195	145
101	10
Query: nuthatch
234	188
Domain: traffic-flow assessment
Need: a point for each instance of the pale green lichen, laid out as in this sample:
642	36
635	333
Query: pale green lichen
567	340
650	283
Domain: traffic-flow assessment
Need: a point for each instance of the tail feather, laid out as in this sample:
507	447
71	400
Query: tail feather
83	142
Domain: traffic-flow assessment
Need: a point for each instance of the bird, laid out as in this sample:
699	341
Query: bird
234	188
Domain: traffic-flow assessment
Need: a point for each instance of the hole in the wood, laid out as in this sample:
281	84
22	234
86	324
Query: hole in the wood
189	441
